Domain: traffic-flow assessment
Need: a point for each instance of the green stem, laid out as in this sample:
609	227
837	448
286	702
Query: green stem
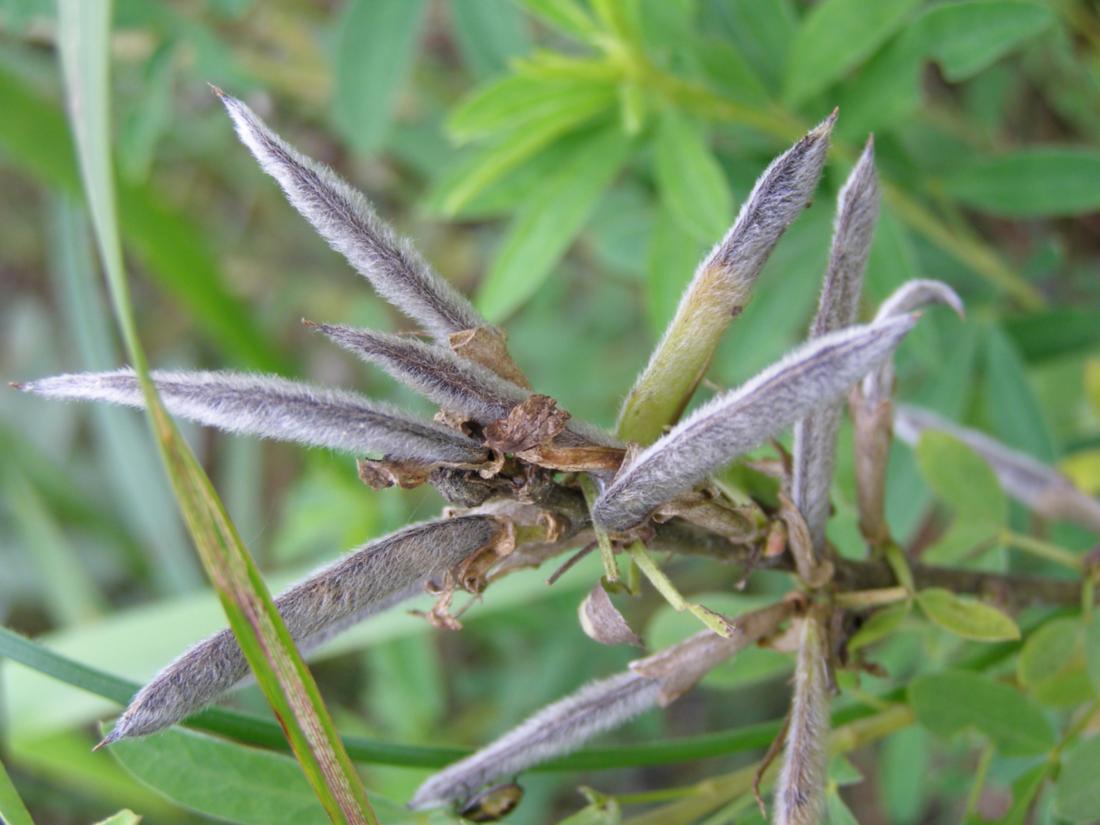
1042	549
603	541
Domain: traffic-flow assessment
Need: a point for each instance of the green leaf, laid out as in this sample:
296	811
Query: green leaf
221	779
1052	664
761	30
962	480
1013	406
883	623
966	617
689	178
125	817
489	34
836	36
1092	650
672	257
12	809
1052	333
1024	790
1030	183
838	811
522	102
506	151
966	37
1077	793
952	701
374	53
565	15
884	92
904	755
543	230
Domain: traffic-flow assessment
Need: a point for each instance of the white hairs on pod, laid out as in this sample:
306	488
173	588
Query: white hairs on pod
814	449
449	380
815	374
800	790
344	218
1042	489
375	576
878	384
272	407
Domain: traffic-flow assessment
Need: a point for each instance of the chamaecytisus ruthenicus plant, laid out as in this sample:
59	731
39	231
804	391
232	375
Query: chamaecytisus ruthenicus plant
528	482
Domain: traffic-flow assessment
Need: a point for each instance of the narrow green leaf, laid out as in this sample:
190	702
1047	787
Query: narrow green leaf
883	623
949	702
565	15
886	89
839	813
84	40
835	36
966	617
1024	790
12	809
690	180
1043	181
519	101
1013	405
504	153
374	53
762	30
962	480
489	34
543	230
1077	793
966	37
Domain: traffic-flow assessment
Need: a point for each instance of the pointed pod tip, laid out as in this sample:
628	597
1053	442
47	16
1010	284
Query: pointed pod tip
109	739
305	322
15	385
217	90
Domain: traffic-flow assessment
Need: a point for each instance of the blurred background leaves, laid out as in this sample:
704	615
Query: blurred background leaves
567	163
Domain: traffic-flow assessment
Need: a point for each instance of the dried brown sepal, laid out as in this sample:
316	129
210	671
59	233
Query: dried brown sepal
488	346
813	572
440	616
472	573
531	423
378	475
592	459
602	622
679	667
738	524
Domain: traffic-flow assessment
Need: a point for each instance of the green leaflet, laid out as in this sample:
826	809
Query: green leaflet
952	701
489	34
962	480
1051	664
12	809
966	617
835	36
375	52
1077	793
966	37
1035	182
544	228
690	180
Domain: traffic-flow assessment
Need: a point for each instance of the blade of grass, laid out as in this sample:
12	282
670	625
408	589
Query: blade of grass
12	809
84	32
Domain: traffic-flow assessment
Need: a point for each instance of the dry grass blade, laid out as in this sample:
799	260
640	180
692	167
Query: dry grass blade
362	583
272	407
344	218
1042	489
721	288
814	451
815	374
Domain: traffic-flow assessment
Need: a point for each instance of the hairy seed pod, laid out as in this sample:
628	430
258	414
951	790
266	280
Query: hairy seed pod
814	450
272	407
344	218
1042	489
737	421
721	286
800	790
374	577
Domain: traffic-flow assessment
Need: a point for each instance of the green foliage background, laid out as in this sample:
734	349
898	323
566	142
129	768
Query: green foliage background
568	164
